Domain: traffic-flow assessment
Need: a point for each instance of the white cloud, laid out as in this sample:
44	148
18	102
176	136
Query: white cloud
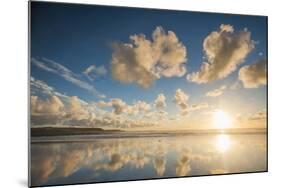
143	60
52	105
55	108
142	106
157	117
54	111
119	106
65	73
78	111
46	112
138	107
114	120
181	99
216	92
160	101
92	72
253	76
161	115
38	87
225	50
103	104
199	106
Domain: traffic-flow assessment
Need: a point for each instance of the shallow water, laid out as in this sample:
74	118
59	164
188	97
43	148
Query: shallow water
65	161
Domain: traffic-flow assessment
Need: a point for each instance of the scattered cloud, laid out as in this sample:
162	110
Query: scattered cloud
253	76
93	72
119	106
53	111
142	106
156	115
161	115
143	61
160	101
115	113
138	107
73	111
39	87
181	99
65	73
260	115
225	50
256	119
78	111
199	106
51	105
216	92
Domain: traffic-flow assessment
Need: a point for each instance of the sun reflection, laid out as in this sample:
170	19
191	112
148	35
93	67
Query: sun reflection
223	143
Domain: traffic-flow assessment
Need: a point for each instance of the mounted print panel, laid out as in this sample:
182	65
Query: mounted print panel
120	94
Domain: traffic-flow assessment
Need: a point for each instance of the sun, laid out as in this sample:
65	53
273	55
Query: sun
222	120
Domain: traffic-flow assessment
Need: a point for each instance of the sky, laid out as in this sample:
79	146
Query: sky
132	68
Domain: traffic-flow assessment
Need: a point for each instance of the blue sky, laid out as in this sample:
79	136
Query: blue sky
78	36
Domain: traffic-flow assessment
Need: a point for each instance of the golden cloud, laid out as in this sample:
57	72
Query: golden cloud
253	76
216	92
143	61
225	50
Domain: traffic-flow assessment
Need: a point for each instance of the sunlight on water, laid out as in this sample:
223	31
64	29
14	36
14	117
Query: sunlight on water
223	143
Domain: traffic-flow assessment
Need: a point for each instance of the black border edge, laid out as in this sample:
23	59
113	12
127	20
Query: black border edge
267	130
29	92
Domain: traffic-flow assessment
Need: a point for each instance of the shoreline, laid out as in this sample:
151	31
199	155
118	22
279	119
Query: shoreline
93	134
72	131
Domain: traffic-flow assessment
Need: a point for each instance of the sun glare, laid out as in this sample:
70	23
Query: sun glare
222	119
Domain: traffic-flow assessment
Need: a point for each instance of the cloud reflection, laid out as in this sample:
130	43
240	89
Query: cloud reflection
183	166
143	158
